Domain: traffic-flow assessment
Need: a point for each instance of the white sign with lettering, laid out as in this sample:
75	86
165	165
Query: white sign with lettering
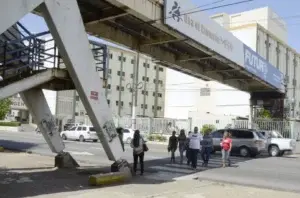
183	17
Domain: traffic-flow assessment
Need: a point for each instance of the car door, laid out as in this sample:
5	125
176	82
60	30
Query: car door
77	132
126	136
70	133
217	138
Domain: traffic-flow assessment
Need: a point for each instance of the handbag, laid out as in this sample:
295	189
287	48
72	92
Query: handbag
145	147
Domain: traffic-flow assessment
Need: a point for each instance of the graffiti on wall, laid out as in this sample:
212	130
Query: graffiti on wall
110	129
49	126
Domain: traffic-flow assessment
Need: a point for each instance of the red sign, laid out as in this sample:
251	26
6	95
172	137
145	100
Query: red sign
94	95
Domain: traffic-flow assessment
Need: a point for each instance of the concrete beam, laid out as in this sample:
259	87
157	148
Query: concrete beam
107	18
161	40
11	11
185	58
156	52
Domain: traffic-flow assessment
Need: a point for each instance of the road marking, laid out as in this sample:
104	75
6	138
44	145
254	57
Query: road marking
172	169
80	153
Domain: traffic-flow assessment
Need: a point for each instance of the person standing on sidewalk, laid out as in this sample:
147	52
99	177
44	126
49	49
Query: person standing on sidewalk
173	144
226	146
182	144
137	144
187	148
194	147
207	145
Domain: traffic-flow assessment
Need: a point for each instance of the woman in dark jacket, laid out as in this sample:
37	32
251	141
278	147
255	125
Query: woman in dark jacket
182	144
173	144
138	151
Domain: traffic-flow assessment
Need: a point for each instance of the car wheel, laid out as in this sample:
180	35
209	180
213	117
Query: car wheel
64	137
274	151
244	151
81	138
128	141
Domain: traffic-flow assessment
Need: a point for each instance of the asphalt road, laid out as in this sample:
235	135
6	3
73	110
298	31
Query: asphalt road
277	173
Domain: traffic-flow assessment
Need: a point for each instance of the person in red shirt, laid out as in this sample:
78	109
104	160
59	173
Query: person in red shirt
226	145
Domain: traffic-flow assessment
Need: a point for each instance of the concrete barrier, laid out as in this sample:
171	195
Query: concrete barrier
110	178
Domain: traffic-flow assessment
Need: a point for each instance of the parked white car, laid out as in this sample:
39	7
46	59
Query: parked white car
81	133
277	145
127	135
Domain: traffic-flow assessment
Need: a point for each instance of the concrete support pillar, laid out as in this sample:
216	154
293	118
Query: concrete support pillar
40	111
67	28
250	122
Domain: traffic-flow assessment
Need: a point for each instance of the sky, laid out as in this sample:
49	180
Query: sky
287	9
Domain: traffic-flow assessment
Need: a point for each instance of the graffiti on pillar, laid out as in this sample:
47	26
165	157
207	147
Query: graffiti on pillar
110	129
49	126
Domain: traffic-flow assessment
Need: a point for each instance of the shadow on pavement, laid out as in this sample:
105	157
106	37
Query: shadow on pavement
16	145
23	182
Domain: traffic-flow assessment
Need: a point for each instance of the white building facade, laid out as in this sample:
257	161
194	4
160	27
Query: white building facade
263	31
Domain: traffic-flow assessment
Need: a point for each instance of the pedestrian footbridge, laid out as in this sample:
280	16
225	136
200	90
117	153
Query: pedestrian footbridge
166	30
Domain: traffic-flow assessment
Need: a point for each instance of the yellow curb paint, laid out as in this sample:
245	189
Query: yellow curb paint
108	178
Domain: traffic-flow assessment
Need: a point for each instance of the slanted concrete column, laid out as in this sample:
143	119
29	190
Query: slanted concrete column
67	28
36	102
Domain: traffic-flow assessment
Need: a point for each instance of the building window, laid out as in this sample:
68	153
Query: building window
77	98
108	86
144	106
108	102
130	103
144	78
117	102
111	56
159	95
124	58
131	75
147	65
76	113
118	88
145	92
109	71
119	73
161	69
160	82
159	108
132	61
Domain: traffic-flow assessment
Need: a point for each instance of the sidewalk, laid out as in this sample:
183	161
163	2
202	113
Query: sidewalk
20	172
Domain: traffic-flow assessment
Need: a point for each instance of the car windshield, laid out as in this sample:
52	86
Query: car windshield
260	135
276	134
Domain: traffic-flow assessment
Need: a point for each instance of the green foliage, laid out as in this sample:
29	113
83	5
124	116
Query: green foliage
10	124
264	114
157	138
4	107
207	128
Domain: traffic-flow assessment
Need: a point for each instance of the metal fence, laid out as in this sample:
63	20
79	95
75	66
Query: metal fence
289	129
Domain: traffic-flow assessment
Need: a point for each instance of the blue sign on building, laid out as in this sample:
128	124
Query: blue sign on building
261	68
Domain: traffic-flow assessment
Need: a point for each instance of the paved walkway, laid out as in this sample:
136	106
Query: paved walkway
20	172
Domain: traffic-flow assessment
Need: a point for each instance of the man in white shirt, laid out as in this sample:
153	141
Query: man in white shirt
194	146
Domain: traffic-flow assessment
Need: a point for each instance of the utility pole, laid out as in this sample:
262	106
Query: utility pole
156	90
134	87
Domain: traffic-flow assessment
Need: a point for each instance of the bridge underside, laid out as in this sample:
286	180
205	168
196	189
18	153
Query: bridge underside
138	25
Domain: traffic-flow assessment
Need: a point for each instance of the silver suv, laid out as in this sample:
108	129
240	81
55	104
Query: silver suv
246	142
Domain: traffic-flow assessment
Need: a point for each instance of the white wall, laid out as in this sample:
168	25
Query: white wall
51	99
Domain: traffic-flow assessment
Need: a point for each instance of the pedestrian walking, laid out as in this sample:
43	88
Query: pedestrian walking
172	147
207	145
187	149
182	144
194	147
226	146
137	144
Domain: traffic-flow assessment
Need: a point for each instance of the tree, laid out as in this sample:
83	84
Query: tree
207	128
4	107
264	114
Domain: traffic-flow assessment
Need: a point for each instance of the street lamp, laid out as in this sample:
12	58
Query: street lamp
134	87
